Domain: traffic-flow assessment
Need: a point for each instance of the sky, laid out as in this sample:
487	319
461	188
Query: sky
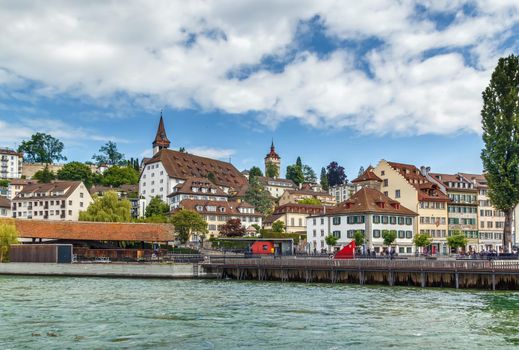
352	82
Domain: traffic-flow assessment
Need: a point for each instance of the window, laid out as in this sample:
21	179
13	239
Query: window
314	221
400	220
385	219
386	182
80	194
401	234
397	193
408	234
69	202
315	233
336	220
408	221
376	233
300	222
292	222
350	233
376	219
69	212
382	173
337	234
322	221
392	220
322	233
81	204
386	193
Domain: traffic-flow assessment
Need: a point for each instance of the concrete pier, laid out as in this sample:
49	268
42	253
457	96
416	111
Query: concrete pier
122	270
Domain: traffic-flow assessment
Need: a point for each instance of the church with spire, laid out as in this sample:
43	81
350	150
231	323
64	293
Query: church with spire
161	139
273	158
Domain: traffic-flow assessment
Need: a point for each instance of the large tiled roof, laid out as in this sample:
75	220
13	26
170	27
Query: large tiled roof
46	189
6	151
5	203
446	179
270	181
369	200
480	179
184	165
94	231
230	208
367	175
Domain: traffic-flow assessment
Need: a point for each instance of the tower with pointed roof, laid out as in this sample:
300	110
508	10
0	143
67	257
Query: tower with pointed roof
161	139
274	158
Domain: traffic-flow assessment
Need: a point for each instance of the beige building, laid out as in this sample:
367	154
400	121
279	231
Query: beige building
5	208
408	185
59	200
16	186
293	216
294	196
276	186
491	221
217	213
10	164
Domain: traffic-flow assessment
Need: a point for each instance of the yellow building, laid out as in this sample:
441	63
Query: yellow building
409	185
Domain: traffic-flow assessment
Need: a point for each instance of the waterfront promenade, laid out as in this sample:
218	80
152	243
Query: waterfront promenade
483	274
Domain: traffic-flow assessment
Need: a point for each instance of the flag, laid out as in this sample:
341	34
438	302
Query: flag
348	252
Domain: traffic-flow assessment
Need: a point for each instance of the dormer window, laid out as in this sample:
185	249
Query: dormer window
199	208
222	209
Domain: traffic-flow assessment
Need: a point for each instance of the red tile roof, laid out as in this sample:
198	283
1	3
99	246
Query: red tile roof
369	200
367	175
445	179
186	187
480	179
5	203
184	165
94	231
67	187
230	208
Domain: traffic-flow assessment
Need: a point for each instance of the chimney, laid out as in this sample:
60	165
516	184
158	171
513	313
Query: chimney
424	170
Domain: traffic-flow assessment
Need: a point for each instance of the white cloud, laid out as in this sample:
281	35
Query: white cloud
210	152
146	50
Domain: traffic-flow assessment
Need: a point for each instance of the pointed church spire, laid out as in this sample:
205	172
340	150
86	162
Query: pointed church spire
161	139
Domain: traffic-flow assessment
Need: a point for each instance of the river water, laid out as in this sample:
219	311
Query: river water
97	313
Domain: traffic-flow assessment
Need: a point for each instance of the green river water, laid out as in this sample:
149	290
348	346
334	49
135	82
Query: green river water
97	313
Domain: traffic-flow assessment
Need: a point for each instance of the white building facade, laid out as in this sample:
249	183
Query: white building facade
11	163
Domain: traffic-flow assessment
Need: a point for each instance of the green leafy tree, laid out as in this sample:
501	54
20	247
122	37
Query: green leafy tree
42	148
257	227
182	150
116	176
255	171
45	175
134	163
157	207
4	183
421	240
295	173
389	237
457	240
259	197
361	171
188	222
271	170
359	238
8	237
232	228
500	155
309	174
310	201
324	180
108	208
331	241
278	226
109	155
76	171
299	162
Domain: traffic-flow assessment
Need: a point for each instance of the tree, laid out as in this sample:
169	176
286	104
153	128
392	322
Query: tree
389	237
500	155
118	175
309	174
44	175
335	174
331	241
421	240
157	207
4	183
232	228
107	208
8	237
324	180
255	171
42	148
258	196
271	170
182	150
359	238
299	163
457	240
76	171
295	173
109	155
310	201
187	222
278	226
361	171
134	163
257	227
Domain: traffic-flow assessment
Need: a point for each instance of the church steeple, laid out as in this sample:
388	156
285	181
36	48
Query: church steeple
272	158
161	139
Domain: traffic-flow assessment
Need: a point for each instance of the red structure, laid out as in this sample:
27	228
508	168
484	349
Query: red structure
262	247
348	252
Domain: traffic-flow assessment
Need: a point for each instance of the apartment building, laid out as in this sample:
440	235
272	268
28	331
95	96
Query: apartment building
367	211
11	163
60	200
463	206
5	208
294	196
276	186
196	188
342	192
293	216
410	186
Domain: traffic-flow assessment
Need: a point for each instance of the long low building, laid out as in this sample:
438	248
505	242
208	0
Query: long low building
93	231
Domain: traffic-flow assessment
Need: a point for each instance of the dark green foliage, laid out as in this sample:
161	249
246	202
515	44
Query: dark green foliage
324	180
258	196
457	240
361	171
422	240
134	163
76	171
271	170
157	207
42	148
116	176
309	174
310	201
109	155
188	222
108	208
335	174
255	171
45	175
295	174
389	236
359	238
278	227
500	155
331	240
4	183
